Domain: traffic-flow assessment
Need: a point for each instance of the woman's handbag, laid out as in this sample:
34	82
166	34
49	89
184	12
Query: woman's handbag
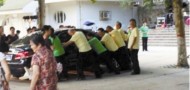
4	85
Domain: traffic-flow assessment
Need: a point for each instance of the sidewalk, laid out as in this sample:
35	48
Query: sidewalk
157	74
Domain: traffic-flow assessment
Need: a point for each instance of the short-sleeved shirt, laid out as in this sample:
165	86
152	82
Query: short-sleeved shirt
144	30
2	56
97	45
57	45
48	69
109	43
11	38
134	34
117	38
123	35
81	42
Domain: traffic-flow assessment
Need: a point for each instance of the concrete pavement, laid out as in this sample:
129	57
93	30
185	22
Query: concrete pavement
157	73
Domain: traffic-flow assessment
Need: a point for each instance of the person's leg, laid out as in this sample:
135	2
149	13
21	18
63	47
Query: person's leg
79	66
143	43
27	65
65	68
146	43
134	57
110	62
95	64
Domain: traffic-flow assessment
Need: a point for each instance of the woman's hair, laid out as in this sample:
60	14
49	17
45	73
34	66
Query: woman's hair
37	39
52	33
46	28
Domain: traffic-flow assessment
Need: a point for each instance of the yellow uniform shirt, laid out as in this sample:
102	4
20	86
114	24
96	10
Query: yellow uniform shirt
123	35
117	38
134	33
81	41
109	43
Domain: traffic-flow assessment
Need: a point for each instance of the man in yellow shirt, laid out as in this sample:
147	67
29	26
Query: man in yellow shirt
125	38
133	46
110	44
85	53
122	54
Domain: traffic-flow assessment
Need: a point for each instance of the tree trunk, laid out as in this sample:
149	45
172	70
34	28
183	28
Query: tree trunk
180	31
41	13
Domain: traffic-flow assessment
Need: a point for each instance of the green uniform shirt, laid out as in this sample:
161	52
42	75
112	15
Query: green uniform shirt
58	47
144	30
97	45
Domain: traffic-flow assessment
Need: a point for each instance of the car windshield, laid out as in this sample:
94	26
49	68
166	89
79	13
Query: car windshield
24	40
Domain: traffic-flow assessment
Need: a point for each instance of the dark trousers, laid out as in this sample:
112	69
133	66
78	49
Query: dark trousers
64	62
134	59
87	59
144	43
123	58
109	61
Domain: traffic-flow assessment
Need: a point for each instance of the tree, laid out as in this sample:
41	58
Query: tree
2	2
41	13
180	31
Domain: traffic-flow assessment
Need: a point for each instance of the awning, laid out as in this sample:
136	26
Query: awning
21	6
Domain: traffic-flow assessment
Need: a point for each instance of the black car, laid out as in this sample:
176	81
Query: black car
20	51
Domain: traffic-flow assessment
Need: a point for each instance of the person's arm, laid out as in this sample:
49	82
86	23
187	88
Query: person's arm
67	43
6	69
133	43
35	76
134	39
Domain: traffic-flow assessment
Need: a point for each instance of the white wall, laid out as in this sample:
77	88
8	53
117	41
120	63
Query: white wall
77	12
17	21
70	9
90	12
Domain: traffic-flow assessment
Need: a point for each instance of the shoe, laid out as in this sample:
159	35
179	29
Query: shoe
135	73
98	76
81	78
117	72
25	77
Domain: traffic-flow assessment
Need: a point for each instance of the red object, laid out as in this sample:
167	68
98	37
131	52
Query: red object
23	54
187	21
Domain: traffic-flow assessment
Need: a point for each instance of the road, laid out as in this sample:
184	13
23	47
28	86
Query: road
157	69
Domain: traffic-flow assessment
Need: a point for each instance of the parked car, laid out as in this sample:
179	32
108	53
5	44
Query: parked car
20	51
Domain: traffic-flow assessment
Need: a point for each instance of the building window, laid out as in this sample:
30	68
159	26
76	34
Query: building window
59	17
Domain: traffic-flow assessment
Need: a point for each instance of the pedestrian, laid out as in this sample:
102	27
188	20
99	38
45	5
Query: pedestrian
4	68
85	54
46	29
44	65
59	54
12	36
101	53
18	33
144	30
133	46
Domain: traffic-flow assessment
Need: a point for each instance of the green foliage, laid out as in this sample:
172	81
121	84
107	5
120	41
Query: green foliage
126	3
2	2
93	1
